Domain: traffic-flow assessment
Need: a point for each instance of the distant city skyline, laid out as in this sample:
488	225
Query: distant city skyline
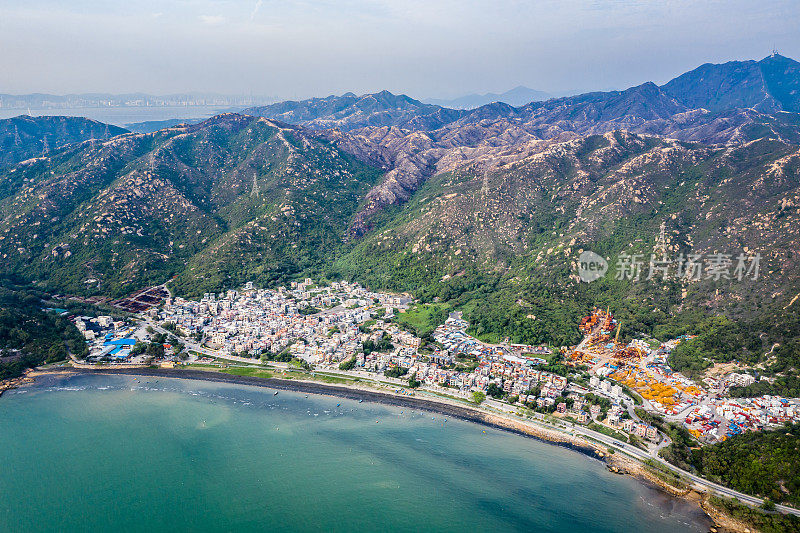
443	49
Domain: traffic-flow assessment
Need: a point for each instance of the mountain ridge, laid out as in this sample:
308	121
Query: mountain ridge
23	137
347	112
518	96
420	135
397	193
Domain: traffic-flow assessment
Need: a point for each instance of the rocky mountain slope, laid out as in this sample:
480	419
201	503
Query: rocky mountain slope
24	137
486	209
235	195
735	102
522	216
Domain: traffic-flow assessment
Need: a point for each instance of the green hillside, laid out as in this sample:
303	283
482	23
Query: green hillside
236	198
239	198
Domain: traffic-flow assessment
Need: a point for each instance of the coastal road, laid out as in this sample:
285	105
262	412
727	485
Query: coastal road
697	480
638	453
195	347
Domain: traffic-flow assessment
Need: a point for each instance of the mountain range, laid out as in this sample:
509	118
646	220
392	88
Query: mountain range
410	139
518	96
484	209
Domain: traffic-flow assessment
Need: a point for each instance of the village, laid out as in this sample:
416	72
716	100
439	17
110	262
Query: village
345	328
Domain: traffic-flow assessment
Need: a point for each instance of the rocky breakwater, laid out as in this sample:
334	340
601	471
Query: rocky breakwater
13	383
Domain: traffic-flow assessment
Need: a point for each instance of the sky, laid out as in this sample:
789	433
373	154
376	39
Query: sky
424	48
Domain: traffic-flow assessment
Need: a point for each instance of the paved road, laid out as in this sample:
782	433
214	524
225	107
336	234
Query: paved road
698	481
627	448
196	347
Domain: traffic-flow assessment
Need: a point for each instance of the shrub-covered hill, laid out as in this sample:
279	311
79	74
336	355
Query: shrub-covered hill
230	199
501	235
24	137
30	336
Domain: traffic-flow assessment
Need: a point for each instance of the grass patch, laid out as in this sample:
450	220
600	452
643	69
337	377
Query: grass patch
665	474
613	433
422	319
488	338
249	372
331	379
324	378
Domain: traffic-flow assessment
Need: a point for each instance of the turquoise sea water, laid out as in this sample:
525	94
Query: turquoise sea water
107	453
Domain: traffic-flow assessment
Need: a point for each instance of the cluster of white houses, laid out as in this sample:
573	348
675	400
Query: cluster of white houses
326	325
250	321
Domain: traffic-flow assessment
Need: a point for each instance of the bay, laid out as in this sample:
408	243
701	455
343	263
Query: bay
123	115
103	453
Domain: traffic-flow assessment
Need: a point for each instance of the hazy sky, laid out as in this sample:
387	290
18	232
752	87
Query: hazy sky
301	48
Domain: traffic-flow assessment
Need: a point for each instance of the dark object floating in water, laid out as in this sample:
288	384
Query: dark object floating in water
275	393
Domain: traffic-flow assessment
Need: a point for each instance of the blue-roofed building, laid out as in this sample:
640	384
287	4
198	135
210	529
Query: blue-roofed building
120	342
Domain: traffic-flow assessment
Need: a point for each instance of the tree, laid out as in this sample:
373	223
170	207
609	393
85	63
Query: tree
283	357
383	344
155	349
395	372
478	397
495	391
139	348
412	381
349	364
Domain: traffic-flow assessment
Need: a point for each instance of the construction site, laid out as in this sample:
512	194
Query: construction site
598	348
633	364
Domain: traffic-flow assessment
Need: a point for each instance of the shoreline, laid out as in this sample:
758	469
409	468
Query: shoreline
439	406
615	462
12	383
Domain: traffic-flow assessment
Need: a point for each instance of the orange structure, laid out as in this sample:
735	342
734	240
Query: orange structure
598	316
